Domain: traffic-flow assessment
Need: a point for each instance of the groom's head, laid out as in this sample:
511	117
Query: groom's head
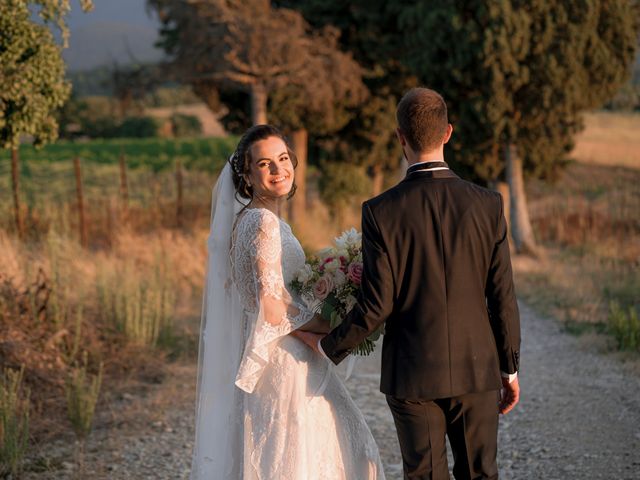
422	120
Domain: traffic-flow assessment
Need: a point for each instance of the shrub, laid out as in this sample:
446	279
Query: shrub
14	421
138	127
139	305
100	128
343	185
82	395
185	125
625	327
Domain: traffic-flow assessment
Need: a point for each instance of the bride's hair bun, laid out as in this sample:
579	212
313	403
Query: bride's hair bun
240	160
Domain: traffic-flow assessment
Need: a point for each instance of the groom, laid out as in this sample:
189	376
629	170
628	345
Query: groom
437	273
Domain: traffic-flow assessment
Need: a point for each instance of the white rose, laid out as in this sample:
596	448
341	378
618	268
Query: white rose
342	253
350	238
326	253
332	266
305	274
339	278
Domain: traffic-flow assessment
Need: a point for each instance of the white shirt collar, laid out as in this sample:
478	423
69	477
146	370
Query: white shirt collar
429	169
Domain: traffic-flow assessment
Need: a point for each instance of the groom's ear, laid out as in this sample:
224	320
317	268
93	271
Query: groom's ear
403	141
447	136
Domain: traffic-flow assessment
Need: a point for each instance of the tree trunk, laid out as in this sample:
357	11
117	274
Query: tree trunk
300	139
377	180
258	104
15	186
521	230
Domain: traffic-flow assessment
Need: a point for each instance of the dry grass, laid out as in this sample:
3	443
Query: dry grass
45	284
610	139
589	223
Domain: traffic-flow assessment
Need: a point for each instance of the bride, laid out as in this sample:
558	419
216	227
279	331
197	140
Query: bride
268	407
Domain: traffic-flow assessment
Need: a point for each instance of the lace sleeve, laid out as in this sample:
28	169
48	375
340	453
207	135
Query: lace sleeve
278	308
278	314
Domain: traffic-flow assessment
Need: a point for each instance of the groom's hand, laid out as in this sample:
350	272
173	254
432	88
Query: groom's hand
309	338
509	395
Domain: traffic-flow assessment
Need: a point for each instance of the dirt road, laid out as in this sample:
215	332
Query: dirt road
579	418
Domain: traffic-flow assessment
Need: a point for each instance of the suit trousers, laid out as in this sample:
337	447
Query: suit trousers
470	422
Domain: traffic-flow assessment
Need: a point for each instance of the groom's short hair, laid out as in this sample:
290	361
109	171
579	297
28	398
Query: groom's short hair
422	119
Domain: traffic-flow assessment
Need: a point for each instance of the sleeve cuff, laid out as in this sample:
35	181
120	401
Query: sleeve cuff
321	350
509	376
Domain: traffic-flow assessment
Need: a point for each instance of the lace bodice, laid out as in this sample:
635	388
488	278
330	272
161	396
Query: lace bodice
263	239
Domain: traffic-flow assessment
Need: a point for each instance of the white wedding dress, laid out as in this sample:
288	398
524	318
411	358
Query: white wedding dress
298	420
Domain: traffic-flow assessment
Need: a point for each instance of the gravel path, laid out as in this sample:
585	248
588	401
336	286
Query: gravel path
579	418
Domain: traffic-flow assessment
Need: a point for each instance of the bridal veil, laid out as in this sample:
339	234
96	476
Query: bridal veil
219	419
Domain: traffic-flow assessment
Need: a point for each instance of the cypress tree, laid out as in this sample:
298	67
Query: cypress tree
517	76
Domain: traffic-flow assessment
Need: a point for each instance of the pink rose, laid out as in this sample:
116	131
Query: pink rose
323	287
354	273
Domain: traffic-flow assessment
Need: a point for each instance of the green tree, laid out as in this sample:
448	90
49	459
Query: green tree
370	31
32	84
228	49
323	103
517	76
242	44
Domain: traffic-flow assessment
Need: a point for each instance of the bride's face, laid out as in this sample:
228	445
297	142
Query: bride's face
271	171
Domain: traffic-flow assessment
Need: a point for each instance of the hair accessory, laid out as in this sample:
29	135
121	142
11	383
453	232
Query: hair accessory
235	163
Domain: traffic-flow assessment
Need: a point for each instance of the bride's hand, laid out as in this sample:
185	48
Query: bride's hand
316	325
309	338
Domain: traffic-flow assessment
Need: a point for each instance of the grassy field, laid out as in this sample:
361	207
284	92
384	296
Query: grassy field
48	184
156	154
610	139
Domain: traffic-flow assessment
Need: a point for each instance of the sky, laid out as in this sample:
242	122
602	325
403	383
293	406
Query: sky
115	30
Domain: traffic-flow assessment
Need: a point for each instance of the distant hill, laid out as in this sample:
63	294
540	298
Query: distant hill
103	43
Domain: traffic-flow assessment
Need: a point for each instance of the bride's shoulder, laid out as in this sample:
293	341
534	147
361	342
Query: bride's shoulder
255	219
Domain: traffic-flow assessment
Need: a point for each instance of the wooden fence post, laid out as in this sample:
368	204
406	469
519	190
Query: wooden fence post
124	188
15	186
179	199
80	199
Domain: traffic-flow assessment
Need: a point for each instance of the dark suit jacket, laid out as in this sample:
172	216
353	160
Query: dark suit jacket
437	270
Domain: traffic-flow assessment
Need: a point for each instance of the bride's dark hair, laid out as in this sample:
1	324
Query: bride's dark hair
241	159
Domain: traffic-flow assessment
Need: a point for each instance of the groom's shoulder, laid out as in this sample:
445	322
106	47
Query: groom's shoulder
480	191
386	197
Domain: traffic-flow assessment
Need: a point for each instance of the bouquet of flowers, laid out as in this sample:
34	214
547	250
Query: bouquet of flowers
329	281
